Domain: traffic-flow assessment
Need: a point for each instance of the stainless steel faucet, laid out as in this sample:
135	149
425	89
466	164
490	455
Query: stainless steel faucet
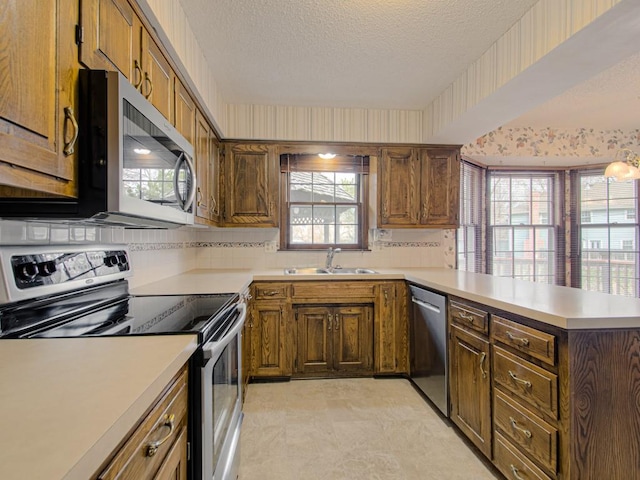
332	251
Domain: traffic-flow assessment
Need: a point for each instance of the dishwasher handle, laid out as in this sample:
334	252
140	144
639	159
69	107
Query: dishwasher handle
426	305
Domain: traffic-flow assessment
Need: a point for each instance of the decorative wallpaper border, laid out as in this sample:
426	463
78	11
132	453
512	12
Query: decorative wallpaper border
410	244
552	142
144	247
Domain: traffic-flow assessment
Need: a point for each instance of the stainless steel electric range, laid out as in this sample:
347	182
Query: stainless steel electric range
82	290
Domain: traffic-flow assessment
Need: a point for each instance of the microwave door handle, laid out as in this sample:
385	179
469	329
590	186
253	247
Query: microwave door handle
192	191
176	175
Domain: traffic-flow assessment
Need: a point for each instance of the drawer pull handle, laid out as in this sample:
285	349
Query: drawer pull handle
516	472
270	293
522	340
152	447
514	424
466	316
526	383
329	322
483	356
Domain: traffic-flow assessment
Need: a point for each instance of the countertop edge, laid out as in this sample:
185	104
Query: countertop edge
239	280
104	447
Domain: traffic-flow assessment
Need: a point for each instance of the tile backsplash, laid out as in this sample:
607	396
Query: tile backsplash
157	254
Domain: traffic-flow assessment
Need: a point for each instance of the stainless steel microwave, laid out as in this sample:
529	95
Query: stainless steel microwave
135	169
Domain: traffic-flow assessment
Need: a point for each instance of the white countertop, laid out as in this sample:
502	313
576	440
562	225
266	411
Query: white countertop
568	308
66	403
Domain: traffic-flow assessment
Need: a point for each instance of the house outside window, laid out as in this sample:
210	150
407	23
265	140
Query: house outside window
324	202
607	261
522	226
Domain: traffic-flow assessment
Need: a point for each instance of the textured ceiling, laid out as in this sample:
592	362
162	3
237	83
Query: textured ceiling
345	53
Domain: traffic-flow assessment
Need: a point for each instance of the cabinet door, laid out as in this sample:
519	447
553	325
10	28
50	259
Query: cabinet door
398	187
268	352
39	84
174	466
251	185
470	393
185	112
111	38
203	159
391	329
440	187
353	339
158	78
315	335
215	179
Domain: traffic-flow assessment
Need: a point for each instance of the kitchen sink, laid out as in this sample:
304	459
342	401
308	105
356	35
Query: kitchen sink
351	271
325	271
306	271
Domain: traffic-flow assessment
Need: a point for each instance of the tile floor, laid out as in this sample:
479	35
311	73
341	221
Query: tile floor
349	429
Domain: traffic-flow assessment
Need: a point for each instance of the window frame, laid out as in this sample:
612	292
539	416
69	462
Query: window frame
555	225
577	247
476	176
358	164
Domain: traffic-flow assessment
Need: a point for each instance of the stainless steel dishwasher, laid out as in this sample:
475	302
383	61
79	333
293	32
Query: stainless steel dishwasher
428	347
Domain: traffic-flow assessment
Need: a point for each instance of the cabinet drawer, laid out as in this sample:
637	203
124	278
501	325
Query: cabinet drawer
271	291
533	384
528	340
469	316
135	460
526	430
333	290
512	463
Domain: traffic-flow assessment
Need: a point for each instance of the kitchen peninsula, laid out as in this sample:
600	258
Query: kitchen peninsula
555	367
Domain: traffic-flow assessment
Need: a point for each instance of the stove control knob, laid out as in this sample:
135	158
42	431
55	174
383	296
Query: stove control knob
27	271
122	259
111	260
47	268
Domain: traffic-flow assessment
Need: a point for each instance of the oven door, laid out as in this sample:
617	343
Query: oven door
221	401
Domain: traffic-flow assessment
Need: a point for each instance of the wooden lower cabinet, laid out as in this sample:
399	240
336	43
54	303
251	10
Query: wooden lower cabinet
334	340
327	328
470	386
166	426
269	345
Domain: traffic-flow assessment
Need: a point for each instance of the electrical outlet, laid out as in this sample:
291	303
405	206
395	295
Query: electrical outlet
384	234
270	247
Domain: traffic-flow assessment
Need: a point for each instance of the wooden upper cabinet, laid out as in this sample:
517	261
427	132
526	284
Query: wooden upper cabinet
418	187
215	179
38	104
398	195
114	38
202	148
251	185
185	108
440	181
158	77
111	36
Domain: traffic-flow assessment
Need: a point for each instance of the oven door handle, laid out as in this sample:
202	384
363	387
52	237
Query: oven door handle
214	348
